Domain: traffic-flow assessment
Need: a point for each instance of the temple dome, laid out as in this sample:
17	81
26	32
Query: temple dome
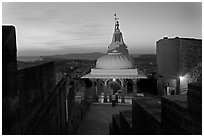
115	61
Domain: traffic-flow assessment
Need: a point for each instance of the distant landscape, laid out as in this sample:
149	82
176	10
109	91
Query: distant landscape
70	62
84	56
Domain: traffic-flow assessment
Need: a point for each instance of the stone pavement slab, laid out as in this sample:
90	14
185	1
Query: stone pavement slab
98	117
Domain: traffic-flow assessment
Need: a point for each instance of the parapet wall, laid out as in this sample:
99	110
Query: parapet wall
146	116
31	101
35	83
175	118
40	108
10	97
48	117
174	115
194	104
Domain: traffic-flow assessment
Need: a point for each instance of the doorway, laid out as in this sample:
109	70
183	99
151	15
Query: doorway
114	84
130	86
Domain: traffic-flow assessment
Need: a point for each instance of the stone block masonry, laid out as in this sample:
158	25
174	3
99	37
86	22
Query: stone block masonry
47	116
191	54
175	118
177	57
35	83
40	108
116	124
146	110
194	97
195	101
182	114
32	103
10	98
126	122
174	115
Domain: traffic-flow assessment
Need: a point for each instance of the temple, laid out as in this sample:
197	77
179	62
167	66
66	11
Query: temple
115	72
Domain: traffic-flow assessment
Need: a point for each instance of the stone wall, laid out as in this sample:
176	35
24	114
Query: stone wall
182	114
177	57
41	105
126	122
190	54
146	116
167	57
194	104
45	108
174	115
10	98
175	119
115	125
34	84
78	110
32	103
48	117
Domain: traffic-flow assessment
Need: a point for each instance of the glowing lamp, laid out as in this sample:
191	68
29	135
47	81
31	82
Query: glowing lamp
181	78
114	79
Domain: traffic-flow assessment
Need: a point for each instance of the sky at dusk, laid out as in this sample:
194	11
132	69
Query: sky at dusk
52	28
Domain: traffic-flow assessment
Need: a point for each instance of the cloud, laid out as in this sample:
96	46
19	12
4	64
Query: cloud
51	30
79	27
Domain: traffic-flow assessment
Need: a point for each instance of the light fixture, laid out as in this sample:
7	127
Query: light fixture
114	79
181	78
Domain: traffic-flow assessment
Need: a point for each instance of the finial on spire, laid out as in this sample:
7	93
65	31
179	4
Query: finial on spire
116	22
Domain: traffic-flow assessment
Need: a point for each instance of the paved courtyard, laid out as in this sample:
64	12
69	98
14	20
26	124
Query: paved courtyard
98	117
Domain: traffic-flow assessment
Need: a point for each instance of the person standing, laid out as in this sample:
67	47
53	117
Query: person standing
113	99
116	97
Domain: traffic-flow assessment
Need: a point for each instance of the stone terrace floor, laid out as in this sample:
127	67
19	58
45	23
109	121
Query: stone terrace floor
98	118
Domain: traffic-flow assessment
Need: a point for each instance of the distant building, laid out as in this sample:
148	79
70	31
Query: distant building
176	58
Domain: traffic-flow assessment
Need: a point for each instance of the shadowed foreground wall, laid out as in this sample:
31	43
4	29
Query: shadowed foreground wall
41	108
10	98
41	105
31	102
173	115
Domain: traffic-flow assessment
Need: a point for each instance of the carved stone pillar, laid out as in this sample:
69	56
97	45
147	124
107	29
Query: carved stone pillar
105	90
93	90
105	93
123	91
135	87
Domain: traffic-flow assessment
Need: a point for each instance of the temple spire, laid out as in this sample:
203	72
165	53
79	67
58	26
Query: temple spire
116	22
117	44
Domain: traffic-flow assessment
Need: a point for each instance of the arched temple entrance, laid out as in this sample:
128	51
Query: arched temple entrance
130	86
114	84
